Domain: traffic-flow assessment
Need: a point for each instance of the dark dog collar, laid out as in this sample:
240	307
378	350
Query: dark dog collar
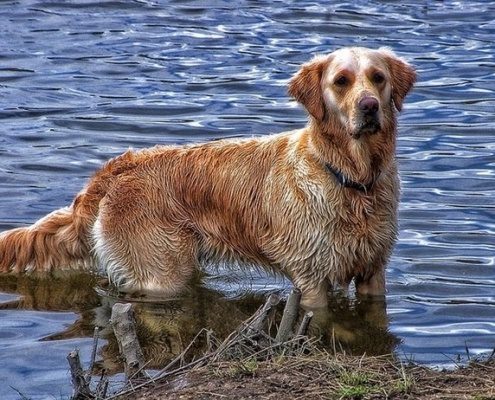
346	182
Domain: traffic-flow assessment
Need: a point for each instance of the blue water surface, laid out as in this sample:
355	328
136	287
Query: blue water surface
82	81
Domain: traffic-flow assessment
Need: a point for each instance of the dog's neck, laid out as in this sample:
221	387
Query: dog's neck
347	183
359	160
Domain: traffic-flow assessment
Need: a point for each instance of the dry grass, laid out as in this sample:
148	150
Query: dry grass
324	376
313	373
251	364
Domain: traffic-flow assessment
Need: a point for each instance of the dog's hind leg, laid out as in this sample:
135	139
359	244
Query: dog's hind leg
137	241
147	259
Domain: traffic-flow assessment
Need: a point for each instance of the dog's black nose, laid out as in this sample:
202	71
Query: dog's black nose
368	105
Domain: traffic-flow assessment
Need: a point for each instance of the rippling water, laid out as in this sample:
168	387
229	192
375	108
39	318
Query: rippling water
81	81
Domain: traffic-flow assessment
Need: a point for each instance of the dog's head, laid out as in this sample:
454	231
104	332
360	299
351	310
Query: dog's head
353	88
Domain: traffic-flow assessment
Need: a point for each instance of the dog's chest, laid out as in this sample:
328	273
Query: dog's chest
359	214
356	227
366	226
330	228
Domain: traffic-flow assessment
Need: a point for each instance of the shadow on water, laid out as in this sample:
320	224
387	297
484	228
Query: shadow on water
166	326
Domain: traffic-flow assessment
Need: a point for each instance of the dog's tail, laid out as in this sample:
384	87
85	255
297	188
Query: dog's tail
63	238
59	240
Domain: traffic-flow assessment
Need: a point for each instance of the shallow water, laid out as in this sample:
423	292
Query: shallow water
82	81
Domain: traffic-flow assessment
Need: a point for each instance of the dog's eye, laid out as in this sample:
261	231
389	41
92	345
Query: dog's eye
378	78
341	81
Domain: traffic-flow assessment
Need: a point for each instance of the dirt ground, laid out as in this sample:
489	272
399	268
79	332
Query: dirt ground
324	376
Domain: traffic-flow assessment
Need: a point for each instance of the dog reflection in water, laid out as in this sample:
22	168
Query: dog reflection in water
164	327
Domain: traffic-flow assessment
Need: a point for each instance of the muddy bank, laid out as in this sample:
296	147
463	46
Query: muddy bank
324	376
252	364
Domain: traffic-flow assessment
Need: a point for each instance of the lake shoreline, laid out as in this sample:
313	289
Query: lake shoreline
251	363
324	376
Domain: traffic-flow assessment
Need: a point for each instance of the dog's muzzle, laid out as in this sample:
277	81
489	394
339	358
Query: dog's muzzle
369	122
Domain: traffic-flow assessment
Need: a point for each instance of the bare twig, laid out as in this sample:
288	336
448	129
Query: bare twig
303	327
289	317
102	386
22	395
181	355
467	351
80	385
258	321
209	341
93	354
123	324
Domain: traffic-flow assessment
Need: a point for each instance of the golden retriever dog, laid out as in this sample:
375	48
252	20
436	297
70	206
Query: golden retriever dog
318	204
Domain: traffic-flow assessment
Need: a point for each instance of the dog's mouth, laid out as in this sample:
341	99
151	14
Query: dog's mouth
368	126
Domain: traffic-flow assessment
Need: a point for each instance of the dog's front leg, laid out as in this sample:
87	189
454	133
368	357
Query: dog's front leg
316	296
373	285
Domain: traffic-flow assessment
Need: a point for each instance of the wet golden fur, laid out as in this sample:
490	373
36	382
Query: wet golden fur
148	218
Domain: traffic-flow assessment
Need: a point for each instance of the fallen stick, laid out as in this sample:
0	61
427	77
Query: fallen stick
80	385
93	354
289	316
258	321
123	324
303	327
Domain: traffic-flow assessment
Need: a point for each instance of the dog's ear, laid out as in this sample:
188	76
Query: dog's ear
305	86
403	76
